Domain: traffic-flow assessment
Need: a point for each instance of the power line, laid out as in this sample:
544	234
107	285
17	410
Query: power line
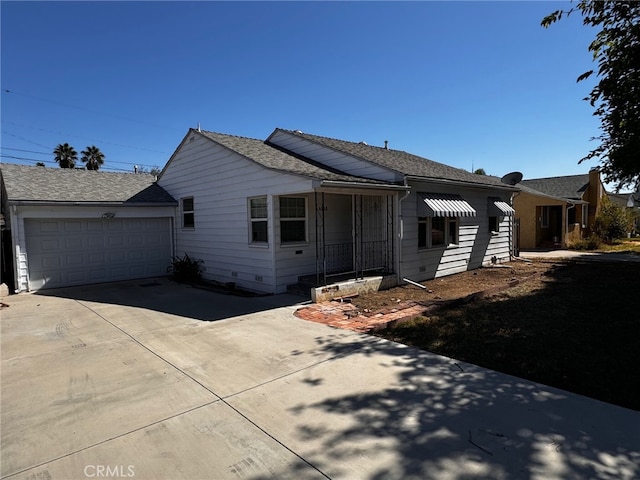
93	139
103	168
27	151
67	105
24	139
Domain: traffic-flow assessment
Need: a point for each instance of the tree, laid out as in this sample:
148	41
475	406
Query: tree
479	171
65	156
93	158
616	97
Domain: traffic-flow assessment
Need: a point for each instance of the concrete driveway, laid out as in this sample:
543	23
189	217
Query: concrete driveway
153	380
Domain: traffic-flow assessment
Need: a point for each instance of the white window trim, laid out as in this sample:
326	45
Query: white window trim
305	218
192	212
447	224
251	220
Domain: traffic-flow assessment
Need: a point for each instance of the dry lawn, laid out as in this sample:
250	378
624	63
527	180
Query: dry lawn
574	325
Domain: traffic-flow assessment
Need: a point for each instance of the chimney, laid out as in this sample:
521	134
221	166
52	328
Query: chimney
386	144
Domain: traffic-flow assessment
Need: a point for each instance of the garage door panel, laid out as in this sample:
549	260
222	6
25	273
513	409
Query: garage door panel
73	243
74	226
75	260
95	226
64	252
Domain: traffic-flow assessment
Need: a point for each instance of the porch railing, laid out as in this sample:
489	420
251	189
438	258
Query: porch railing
339	258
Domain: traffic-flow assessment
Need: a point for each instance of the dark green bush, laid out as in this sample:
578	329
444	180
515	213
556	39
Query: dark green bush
186	269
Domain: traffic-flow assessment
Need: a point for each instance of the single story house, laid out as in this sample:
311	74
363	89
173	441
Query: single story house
71	227
264	213
261	214
554	212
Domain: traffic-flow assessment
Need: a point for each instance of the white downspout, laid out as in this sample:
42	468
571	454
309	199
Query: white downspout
401	231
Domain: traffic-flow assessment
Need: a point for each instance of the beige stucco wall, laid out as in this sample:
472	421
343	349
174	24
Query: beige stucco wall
525	205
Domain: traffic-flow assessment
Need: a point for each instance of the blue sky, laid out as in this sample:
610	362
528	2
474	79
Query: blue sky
470	84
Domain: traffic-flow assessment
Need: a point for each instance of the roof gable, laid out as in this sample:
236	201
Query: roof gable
567	187
402	162
275	158
41	184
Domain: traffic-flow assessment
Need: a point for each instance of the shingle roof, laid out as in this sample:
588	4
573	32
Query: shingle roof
40	184
274	158
569	186
402	162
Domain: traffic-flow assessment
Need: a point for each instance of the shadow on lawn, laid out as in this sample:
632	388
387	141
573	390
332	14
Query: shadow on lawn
578	331
424	416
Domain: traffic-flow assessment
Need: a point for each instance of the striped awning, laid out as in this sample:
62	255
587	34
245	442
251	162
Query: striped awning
499	207
444	205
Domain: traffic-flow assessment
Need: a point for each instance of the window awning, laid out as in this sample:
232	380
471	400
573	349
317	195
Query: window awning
444	205
499	207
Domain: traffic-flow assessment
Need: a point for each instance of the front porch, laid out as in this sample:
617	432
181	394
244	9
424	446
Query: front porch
354	244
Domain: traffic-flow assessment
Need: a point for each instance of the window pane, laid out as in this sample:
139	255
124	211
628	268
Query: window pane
437	231
188	220
292	231
259	207
187	204
422	233
259	232
493	224
292	207
453	231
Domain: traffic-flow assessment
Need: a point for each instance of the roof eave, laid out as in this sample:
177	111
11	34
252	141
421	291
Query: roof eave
358	185
462	183
65	203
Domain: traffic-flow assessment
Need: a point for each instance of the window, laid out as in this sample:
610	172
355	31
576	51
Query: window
544	220
188	217
571	214
258	218
494	225
585	215
437	232
293	220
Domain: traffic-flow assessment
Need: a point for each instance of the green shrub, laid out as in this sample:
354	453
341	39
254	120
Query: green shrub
613	221
186	269
592	242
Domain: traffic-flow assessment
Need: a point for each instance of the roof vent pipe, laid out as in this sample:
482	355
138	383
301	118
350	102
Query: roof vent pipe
386	144
199	127
135	169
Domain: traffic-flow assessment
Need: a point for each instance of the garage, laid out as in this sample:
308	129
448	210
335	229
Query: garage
66	227
65	252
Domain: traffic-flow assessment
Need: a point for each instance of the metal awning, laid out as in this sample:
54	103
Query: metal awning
444	205
499	207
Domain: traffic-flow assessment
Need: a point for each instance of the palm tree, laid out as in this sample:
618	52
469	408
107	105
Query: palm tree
92	157
65	155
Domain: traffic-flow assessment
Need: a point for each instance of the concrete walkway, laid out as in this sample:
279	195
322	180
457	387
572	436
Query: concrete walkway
163	381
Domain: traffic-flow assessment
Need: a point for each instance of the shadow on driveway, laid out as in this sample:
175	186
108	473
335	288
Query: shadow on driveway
163	295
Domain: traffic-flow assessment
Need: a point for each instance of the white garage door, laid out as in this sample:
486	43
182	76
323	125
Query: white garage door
63	252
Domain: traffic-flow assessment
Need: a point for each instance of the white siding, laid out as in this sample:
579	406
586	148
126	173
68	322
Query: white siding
220	182
476	245
338	160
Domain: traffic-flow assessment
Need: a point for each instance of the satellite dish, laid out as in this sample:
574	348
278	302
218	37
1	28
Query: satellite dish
512	178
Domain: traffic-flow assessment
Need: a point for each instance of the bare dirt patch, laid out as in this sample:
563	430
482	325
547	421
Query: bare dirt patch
457	286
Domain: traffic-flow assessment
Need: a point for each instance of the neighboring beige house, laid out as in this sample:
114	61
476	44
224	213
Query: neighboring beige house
555	212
